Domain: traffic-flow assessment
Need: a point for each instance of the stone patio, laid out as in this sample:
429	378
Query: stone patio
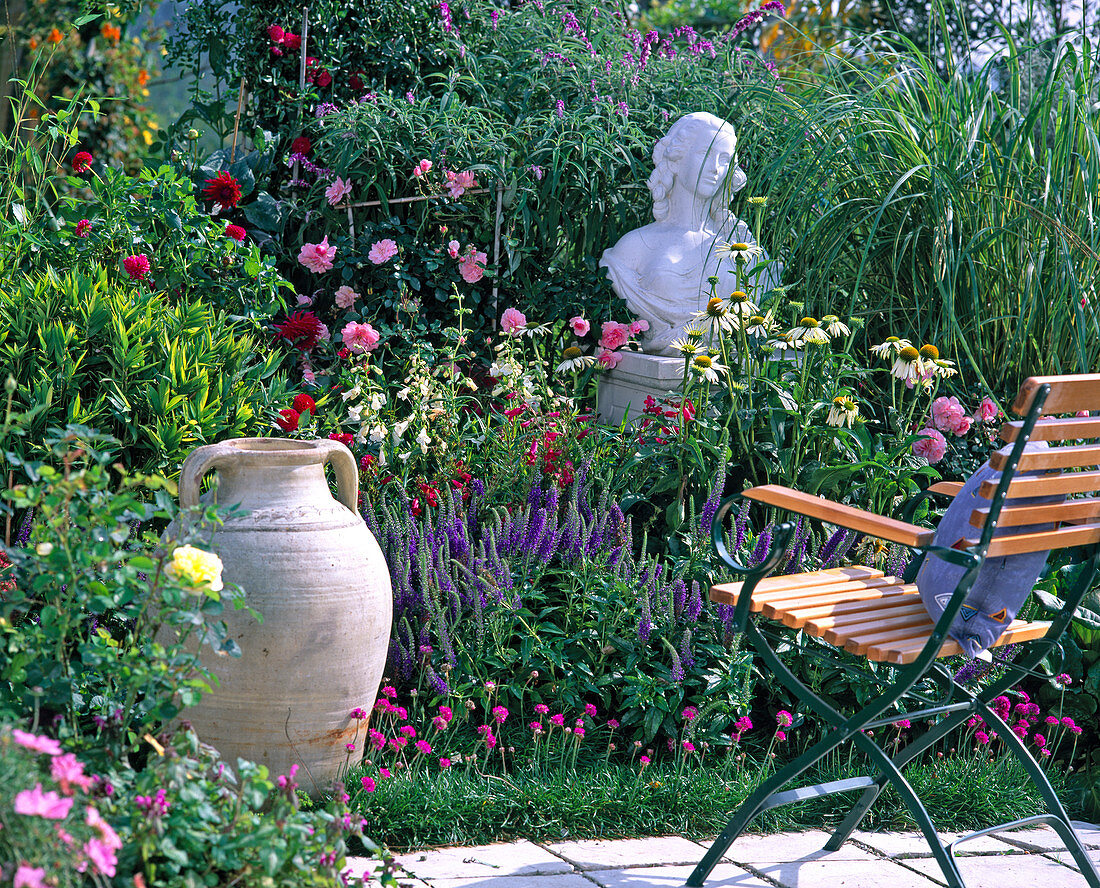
783	860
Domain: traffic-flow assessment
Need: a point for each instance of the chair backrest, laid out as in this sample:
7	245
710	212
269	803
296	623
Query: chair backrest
1070	467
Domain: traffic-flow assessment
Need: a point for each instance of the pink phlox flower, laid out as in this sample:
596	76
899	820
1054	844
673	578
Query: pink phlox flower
44	745
557	719
784	719
102	857
36	803
382	251
932	446
27	876
317	257
453	249
68	771
499	714
407	731
107	835
689	713
609	359
337	191
368	784
360	337
579	326
422	169
590	710
541	708
614	335
472	267
513	321
423	747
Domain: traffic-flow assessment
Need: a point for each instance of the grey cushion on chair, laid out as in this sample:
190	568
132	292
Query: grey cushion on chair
1002	584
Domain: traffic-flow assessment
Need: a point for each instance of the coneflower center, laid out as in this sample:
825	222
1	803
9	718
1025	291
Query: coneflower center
571	353
703	361
930	352
909	353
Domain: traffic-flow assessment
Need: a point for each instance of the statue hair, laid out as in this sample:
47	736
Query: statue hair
667	156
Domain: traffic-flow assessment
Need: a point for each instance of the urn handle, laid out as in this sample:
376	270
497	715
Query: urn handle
347	472
200	461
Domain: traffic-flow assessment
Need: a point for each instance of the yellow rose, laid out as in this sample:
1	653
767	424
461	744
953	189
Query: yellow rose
197	567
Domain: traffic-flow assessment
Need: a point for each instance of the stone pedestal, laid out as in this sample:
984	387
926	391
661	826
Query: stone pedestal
623	390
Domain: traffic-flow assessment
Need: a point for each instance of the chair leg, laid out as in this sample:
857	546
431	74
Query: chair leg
1059	818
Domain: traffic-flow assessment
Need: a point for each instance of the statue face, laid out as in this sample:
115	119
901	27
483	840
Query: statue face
708	161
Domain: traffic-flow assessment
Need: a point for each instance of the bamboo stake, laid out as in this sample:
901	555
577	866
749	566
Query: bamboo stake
237	122
302	70
414	199
496	243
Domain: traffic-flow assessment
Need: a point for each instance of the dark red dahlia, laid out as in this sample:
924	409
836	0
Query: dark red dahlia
355	81
223	189
323	79
288	419
82	162
302	330
235	232
292	41
304	402
137	266
302	145
343	437
275	33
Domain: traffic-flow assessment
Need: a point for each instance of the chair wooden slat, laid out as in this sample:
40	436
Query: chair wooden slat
867	601
906	650
838	630
946	488
913	627
1071	456
827	597
792	597
1069	428
1041	541
1068	394
1046	485
1022	516
726	593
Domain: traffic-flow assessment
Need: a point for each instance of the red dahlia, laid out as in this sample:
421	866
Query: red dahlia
275	33
323	79
82	162
292	41
304	402
82	228
235	232
343	437
223	189
288	419
302	145
302	330
137	266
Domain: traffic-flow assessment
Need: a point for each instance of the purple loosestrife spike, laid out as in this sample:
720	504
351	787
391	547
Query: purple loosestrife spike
740	525
763	545
677	666
645	625
695	603
679	597
710	507
687	657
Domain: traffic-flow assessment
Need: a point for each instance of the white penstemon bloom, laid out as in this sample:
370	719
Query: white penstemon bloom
352	393
423	439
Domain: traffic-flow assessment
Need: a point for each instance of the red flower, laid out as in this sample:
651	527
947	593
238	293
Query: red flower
343	437
304	402
235	232
367	461
82	162
288	419
302	145
276	51
275	33
323	79
292	41
302	330
355	81
223	189
82	228
137	266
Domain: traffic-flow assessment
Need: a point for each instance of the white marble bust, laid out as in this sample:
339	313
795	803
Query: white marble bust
661	269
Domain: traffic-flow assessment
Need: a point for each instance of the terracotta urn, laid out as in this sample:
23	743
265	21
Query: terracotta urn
314	572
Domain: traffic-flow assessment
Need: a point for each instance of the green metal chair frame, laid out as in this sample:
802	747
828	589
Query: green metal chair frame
953	711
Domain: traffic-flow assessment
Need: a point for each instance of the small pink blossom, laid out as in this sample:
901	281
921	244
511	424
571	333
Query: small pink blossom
614	335
382	251
688	746
368	784
389	691
780	736
558	719
590	710
644	759
472	267
384	773
613	723
690	713
457	183
784	719
444	763
499	714
317	257
360	337
422	169
407	731
535	727
579	326
638	326
609	359
541	708
337	191
987	410
36	803
453	249
513	321
33	741
68	771
27	876
932	446
423	747
345	297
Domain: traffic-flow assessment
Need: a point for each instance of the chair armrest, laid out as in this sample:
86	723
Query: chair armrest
946	488
855	519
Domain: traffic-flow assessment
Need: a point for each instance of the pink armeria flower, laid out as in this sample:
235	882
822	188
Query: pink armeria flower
377	740
422	169
644	759
558	719
34	742
360	337
472	267
36	803
613	723
689	714
317	257
931	447
423	747
688	746
382	251
513	321
784	719
345	297
445	712
368	784
535	727
337	191
579	326
444	763
614	335
389	691
407	731
440	723
590	710
609	359
499	714
541	708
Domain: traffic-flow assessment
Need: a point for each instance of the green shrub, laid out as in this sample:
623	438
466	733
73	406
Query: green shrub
162	378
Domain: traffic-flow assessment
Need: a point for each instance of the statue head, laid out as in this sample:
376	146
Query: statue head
696	155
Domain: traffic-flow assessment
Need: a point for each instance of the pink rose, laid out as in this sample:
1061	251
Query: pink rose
453	249
513	321
317	257
382	251
472	268
360	337
422	169
639	326
614	335
609	359
337	191
987	410
580	326
932	446
948	415
346	296
457	183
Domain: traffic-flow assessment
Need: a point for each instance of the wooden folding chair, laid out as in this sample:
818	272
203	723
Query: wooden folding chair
881	618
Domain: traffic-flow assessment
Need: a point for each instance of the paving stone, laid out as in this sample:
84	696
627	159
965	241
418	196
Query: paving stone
785	847
1042	838
904	845
505	859
1089	833
596	854
1067	858
999	872
874	873
725	875
558	880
